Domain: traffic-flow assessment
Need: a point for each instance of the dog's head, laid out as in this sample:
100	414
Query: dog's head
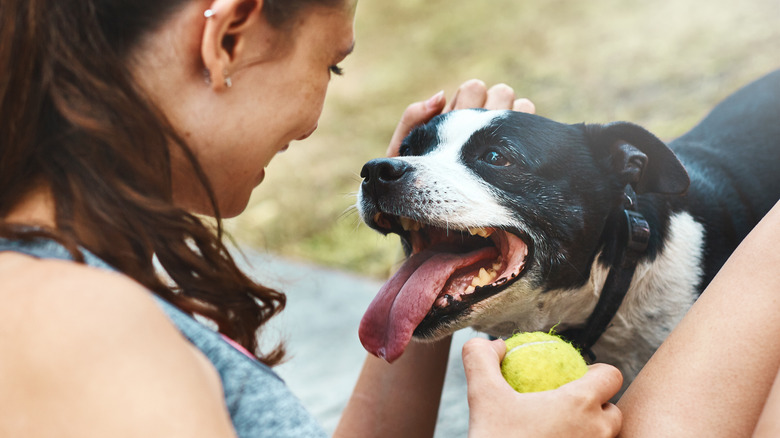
500	212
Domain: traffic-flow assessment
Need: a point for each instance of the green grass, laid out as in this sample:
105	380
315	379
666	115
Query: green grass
661	64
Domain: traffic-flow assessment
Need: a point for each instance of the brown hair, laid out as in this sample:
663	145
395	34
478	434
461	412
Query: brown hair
73	118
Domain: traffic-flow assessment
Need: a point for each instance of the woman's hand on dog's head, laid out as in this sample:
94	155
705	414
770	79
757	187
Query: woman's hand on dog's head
471	94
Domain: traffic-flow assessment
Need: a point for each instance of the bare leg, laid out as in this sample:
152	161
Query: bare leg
713	375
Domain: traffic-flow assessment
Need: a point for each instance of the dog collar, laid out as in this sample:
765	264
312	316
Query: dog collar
633	237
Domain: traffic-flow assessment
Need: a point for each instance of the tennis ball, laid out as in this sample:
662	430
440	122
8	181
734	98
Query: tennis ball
538	361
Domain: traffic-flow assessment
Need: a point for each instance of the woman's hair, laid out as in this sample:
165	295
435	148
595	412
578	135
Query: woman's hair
73	118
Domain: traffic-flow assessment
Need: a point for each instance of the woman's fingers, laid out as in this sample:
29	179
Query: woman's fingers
414	115
500	97
578	409
613	418
589	398
482	364
471	94
524	105
602	381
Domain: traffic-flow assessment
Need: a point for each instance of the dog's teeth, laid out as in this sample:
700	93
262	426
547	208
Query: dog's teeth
381	220
469	290
482	232
409	224
484	277
497	266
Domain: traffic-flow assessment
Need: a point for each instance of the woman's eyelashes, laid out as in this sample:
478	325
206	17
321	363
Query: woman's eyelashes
336	70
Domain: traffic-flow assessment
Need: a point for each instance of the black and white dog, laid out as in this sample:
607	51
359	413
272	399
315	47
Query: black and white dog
514	222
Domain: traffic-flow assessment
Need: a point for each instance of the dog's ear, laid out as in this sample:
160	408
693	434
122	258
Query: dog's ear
639	158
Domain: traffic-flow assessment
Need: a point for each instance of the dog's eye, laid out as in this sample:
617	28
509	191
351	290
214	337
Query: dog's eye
495	159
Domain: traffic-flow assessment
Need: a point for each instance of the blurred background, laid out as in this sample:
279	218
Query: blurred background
662	64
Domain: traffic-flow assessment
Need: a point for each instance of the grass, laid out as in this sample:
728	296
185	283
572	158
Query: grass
661	64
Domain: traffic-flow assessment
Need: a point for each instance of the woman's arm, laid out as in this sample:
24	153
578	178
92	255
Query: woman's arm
398	400
769	422
713	374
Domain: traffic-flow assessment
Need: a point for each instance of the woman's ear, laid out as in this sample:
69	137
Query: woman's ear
225	35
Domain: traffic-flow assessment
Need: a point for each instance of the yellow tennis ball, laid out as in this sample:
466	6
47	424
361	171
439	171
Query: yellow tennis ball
538	361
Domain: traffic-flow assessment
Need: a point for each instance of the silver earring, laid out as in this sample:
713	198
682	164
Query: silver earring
207	76
228	80
209	13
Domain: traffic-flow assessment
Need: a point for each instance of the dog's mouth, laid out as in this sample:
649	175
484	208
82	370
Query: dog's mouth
448	271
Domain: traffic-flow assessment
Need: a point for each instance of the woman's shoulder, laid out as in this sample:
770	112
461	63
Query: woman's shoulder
66	306
93	347
64	291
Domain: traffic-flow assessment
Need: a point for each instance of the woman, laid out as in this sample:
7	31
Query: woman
123	121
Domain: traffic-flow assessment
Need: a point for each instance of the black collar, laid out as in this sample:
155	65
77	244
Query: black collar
633	237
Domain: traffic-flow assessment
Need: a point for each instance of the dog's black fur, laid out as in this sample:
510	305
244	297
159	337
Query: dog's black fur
564	186
733	158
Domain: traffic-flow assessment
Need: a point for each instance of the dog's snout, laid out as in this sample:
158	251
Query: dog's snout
384	170
378	175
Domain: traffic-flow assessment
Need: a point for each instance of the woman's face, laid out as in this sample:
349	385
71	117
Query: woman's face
236	132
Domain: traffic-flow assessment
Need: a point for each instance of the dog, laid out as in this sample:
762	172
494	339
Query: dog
514	222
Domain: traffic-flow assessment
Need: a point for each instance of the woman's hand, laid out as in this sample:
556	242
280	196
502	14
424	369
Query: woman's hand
578	409
471	94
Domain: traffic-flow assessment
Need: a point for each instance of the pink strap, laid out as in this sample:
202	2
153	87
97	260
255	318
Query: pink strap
238	347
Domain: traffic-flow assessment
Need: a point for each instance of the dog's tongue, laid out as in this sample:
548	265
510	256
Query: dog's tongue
406	298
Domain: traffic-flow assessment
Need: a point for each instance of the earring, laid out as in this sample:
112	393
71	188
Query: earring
225	73
209	13
228	80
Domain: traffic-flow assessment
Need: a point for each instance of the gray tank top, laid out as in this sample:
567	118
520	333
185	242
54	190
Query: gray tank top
259	402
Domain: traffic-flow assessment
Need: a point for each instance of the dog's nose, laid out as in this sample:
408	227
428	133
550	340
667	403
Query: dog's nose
379	173
384	170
